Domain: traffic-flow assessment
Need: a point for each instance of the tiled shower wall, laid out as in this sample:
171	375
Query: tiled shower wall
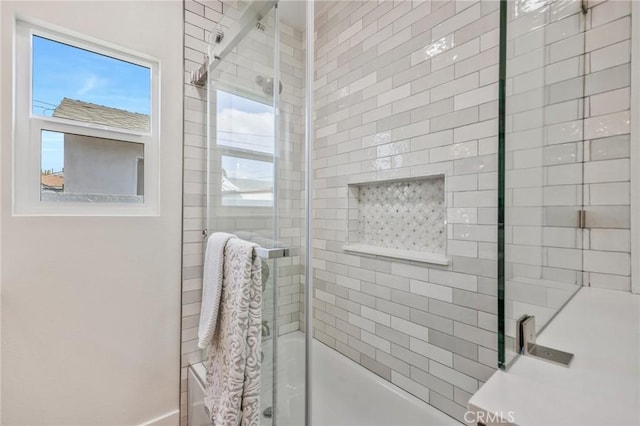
607	193
200	20
202	17
407	89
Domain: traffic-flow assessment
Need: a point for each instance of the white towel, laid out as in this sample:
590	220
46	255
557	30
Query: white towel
211	286
232	392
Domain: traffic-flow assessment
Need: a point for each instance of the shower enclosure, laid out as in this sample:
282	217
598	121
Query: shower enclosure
544	154
543	157
256	182
565	194
467	171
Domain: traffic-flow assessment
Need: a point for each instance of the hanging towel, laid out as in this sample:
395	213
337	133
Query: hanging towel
211	286
232	392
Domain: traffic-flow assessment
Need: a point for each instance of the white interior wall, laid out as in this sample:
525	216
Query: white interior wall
91	305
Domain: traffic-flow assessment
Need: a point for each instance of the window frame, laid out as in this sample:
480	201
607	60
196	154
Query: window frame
28	127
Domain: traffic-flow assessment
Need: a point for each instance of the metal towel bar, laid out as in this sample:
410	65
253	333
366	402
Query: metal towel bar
272	253
262	252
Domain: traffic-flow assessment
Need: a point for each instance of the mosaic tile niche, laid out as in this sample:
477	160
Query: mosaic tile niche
399	219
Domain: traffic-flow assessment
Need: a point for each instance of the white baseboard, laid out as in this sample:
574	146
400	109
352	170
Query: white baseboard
169	419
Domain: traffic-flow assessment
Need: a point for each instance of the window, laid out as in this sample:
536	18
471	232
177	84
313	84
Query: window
86	139
245	136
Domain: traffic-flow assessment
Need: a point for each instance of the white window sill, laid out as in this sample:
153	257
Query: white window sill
417	256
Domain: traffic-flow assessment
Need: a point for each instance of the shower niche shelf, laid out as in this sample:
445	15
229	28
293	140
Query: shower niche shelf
404	219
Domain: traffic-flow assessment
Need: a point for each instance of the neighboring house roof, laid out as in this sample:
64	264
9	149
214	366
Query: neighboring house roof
72	109
249	185
228	186
52	181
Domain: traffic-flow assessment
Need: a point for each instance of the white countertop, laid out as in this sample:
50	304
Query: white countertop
602	384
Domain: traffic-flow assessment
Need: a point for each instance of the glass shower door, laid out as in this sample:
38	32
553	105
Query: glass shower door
255	189
544	160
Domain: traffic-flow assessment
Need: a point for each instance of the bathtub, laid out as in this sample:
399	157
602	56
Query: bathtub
198	414
343	393
290	389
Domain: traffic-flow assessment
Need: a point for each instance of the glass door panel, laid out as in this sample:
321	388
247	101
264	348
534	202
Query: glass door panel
255	177
544	154
241	184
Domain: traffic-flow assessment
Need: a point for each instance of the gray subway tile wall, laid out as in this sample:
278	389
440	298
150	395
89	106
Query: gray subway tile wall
423	80
422	76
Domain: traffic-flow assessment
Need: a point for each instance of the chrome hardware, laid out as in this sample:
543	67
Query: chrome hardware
243	25
268	412
272	253
199	76
219	35
266	331
526	341
205	234
582	219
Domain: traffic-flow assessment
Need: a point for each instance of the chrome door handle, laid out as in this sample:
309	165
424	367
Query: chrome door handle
272	253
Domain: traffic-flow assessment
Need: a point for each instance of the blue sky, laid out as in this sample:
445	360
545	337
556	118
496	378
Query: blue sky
60	71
